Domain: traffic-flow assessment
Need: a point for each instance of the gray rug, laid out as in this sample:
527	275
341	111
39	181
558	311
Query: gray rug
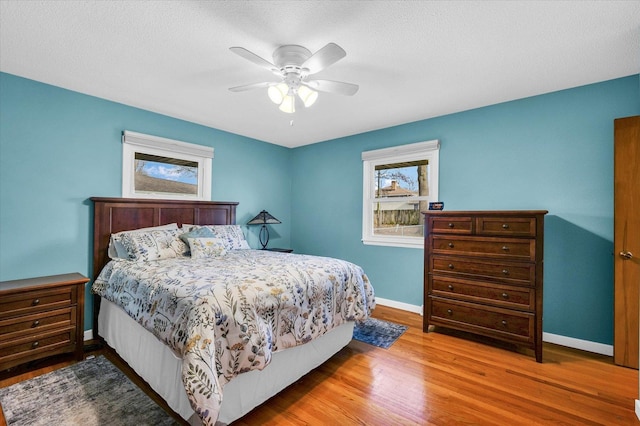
91	392
378	332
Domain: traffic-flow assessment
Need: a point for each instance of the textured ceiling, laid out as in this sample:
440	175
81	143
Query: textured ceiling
412	60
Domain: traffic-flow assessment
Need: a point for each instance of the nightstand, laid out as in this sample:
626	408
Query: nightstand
41	317
281	250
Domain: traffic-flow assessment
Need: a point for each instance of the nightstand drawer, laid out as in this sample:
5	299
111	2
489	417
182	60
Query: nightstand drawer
512	325
521	298
514	226
509	272
40	322
511	248
451	225
15	352
31	301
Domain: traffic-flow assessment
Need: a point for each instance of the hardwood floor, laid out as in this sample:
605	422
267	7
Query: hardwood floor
440	378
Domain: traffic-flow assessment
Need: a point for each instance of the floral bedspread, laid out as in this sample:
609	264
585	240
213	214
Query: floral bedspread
227	315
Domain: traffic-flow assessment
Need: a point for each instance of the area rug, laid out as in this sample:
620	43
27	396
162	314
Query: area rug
378	332
91	392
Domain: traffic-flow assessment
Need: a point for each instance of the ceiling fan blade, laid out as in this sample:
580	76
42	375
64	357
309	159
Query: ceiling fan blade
328	55
331	86
241	51
252	86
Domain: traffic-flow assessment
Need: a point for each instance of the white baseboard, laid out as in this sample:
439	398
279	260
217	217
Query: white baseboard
570	342
88	335
585	345
399	305
638	409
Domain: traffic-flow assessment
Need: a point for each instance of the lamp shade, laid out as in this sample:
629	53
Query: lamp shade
278	92
307	95
264	217
288	104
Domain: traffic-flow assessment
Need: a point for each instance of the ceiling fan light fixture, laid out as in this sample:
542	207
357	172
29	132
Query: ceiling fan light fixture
307	95
277	93
294	64
288	104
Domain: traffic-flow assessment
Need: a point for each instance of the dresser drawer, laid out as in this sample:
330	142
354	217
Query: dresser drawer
451	225
31	347
40	322
28	302
511	248
521	298
509	272
502	323
515	226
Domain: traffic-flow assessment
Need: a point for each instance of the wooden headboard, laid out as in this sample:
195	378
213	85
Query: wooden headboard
111	215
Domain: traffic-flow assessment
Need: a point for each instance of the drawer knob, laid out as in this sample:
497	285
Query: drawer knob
505	248
505	271
504	322
450	245
505	226
451	225
505	295
450	287
451	266
36	323
35	302
35	344
449	311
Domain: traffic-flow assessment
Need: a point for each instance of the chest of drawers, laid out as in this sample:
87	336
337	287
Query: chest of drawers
41	317
483	274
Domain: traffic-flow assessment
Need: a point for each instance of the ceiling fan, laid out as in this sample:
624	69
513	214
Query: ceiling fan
294	65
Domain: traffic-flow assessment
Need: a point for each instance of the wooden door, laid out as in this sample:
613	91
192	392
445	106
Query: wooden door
626	240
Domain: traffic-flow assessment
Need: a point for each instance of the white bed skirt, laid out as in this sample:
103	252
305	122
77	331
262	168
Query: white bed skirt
162	370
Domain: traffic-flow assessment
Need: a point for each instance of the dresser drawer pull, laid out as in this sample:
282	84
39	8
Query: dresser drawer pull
450	287
450	245
449	311
505	271
504	322
451	266
505	226
35	302
35	323
451	225
505	295
35	344
505	248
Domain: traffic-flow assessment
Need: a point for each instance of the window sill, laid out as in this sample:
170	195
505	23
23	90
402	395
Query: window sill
418	244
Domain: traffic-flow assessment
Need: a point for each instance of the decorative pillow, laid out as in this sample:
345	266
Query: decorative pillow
206	247
154	245
231	235
117	251
196	232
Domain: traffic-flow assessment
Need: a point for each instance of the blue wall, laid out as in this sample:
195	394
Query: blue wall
58	148
551	152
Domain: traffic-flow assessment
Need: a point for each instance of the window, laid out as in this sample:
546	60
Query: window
399	182
154	167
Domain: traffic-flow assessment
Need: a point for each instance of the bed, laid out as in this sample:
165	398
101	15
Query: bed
219	330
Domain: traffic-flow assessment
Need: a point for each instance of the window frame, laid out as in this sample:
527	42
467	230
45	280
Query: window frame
133	143
427	150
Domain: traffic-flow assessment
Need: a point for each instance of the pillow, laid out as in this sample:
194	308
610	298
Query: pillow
154	245
117	251
206	247
231	235
197	233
